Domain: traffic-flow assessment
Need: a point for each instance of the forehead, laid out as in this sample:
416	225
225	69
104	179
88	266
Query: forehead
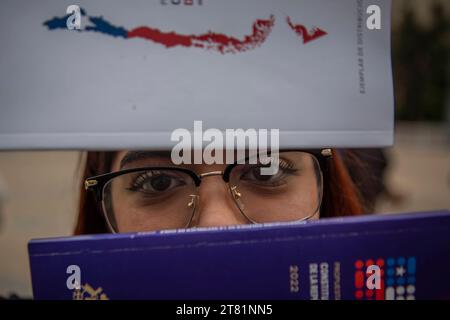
133	158
130	159
125	158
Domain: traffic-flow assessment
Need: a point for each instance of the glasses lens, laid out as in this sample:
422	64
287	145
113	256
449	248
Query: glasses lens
149	200
292	193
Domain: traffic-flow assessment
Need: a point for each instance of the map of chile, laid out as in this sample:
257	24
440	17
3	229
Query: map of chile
210	40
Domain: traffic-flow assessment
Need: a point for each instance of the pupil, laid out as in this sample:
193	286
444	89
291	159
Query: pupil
160	183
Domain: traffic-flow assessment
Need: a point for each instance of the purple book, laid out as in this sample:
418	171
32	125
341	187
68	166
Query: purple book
392	257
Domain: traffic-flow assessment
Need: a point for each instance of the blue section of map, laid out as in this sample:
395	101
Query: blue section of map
99	24
103	26
56	23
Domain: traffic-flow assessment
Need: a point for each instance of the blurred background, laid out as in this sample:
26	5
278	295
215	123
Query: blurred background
39	190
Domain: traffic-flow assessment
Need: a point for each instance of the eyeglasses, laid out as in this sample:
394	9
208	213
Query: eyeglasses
166	197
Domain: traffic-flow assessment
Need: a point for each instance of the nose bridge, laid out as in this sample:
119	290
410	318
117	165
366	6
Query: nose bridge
211	173
215	204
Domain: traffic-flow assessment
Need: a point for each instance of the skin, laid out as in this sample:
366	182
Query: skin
215	207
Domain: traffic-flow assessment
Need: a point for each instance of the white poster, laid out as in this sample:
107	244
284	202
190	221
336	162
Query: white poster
126	74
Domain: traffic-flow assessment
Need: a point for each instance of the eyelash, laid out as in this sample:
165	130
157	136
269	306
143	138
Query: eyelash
140	179
287	166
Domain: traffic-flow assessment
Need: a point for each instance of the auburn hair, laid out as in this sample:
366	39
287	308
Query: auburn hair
340	196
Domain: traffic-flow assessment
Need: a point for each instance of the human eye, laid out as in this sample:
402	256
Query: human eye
156	182
252	174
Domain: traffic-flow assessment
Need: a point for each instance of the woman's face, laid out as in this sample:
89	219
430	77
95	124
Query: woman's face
159	199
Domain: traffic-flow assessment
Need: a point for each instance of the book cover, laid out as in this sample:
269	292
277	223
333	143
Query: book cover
392	257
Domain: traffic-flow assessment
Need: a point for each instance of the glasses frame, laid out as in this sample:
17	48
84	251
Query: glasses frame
97	183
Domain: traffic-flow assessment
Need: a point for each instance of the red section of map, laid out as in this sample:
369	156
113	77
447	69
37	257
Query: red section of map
303	33
210	41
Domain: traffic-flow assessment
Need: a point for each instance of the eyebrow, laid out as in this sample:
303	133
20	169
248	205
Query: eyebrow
132	156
